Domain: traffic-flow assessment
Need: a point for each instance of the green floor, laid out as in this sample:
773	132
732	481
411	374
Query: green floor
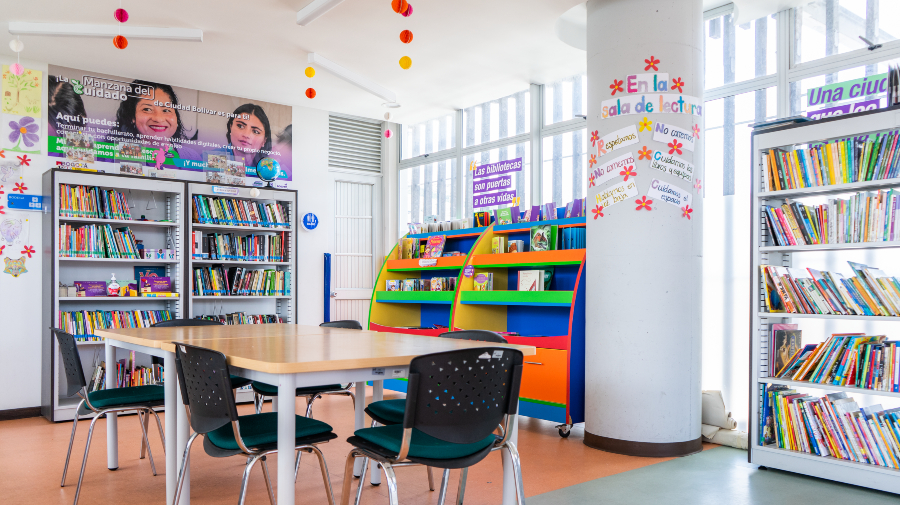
719	476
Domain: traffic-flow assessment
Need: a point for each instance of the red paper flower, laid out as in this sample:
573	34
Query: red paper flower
2	247
2	153
592	160
686	211
23	160
594	138
598	211
629	171
677	83
651	63
600	150
674	147
1	190
643	203
591	179
616	86
697	185
20	187
697	130
1	210
28	250
644	153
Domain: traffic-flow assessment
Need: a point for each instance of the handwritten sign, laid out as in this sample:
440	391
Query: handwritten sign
647	83
617	140
672	165
665	133
668	103
610	170
669	193
617	193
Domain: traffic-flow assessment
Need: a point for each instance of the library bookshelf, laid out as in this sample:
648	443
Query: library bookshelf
764	251
161	201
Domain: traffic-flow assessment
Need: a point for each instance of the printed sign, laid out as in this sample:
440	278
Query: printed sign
665	133
24	202
845	109
668	103
428	262
310	221
499	168
647	83
618	193
488	185
469	271
610	170
225	190
492	199
856	88
673	165
617	140
669	193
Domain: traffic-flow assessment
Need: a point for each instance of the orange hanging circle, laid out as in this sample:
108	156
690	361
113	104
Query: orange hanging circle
399	6
120	41
310	93
406	36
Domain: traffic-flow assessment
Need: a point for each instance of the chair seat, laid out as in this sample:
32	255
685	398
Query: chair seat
387	412
262	429
270	390
422	445
238	382
115	397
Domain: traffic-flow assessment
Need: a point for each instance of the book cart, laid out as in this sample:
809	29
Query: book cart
161	201
207	226
765	251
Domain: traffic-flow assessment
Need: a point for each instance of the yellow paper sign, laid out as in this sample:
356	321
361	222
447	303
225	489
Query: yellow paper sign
22	93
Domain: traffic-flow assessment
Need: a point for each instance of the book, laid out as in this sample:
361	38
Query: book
535	213
90	288
543	237
504	216
155	285
498	245
548	277
516	246
531	280
786	343
577	208
392	285
549	211
142	271
483	281
435	246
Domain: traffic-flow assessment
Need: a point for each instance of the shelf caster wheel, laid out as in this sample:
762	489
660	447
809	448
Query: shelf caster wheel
564	430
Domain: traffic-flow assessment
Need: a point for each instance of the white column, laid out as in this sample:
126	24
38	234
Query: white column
112	427
644	274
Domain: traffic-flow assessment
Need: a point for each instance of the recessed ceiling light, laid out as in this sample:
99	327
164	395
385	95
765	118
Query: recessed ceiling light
391	105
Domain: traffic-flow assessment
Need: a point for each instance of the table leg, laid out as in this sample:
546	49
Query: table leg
172	455
287	392
377	396
360	413
181	435
112	431
509	476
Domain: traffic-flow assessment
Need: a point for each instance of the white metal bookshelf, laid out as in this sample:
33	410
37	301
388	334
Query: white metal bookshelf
764	251
157	200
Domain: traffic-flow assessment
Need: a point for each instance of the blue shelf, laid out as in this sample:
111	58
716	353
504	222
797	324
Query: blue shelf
526	225
450	233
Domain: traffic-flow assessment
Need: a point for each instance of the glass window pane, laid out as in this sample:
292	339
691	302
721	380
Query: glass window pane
428	190
738	53
828	27
565	99
521	181
428	137
813	95
497	119
563	171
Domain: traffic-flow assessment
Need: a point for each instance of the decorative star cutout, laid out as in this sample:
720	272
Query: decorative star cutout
643	203
674	146
598	211
28	250
644	153
616	86
594	138
697	185
600	150
592	160
591	179
696	130
645	125
629	171
20	187
678	84
651	63
23	160
686	211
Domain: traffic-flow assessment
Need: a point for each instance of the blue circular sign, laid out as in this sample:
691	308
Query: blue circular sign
310	221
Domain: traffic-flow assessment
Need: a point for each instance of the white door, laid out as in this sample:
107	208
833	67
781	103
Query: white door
357	225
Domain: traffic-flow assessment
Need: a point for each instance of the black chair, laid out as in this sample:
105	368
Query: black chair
142	399
237	381
203	376
454	402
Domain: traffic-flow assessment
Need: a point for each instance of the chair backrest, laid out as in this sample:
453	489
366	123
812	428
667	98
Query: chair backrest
482	335
461	396
186	322
205	387
71	362
350	324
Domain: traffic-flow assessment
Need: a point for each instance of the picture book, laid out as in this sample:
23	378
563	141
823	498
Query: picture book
504	216
435	246
90	288
483	282
514	213
569	209
156	285
392	285
577	208
786	343
535	213
548	277
772	329
549	211
408	248
149	272
543	237
526	217
516	246
498	245
531	280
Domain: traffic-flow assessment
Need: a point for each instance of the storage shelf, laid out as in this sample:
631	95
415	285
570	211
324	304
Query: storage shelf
130	222
831	460
830	190
568	222
827	316
89	342
532	298
117	298
828	387
119	260
429	297
231	297
202	226
411	265
830	247
529	259
233	262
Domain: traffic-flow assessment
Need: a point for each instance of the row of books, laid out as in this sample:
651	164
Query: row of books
535	280
831	426
236	212
243	318
231	247
97	241
837	162
239	281
864	217
92	202
483	281
432	225
413	248
870	292
127	375
83	323
414	284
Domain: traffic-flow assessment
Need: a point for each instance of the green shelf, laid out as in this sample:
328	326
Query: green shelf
437	297
533	298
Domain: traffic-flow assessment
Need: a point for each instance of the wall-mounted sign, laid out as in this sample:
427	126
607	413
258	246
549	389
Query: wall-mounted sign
856	88
669	193
485	180
225	190
310	221
25	202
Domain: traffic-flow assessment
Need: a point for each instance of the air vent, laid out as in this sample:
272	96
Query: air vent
354	144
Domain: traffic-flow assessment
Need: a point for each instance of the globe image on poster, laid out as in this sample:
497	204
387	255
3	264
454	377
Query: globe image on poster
268	169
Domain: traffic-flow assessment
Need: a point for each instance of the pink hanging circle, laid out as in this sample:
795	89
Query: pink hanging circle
121	15
16	69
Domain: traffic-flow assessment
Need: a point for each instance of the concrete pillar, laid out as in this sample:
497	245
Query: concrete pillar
644	267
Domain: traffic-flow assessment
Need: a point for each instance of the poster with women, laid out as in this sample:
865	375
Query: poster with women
145	127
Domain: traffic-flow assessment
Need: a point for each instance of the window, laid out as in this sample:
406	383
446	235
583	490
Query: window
828	27
738	53
521	181
428	137
565	99
565	160
809	96
429	190
498	119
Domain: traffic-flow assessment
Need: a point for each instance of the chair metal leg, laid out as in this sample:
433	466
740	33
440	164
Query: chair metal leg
87	447
445	482
246	479
258	402
162	434
297	464
71	441
309	401
362	478
430	478
391	479
185	461
348	478
461	490
517	472
325	477
144	420
265	468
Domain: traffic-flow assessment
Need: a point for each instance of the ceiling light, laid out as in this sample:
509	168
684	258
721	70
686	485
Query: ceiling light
132	32
314	10
391	105
354	78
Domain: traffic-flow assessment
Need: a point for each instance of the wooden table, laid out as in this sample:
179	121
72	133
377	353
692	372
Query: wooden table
289	356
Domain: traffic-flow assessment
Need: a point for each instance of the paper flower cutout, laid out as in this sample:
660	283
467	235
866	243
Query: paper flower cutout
644	153
697	185
616	86
600	150
1	210
594	138
686	211
651	63
1	189
677	83
28	250
591	179
23	160
643	203
674	146
20	187
592	160
2	153
645	125
24	131
696	130
2	247
629	171
598	211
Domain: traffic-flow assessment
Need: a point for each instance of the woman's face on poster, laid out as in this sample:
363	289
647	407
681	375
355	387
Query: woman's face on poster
156	120
247	134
